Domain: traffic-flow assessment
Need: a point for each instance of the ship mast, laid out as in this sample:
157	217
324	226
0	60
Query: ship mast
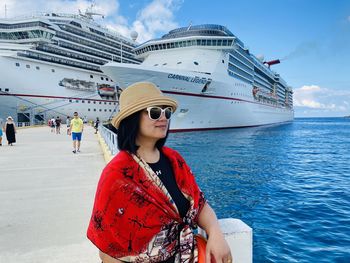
88	14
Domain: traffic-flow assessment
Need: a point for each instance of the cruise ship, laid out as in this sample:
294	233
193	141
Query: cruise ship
50	66
217	82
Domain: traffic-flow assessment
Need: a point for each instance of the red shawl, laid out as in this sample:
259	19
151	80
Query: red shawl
132	207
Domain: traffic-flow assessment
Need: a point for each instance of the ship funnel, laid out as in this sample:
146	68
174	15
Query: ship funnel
272	62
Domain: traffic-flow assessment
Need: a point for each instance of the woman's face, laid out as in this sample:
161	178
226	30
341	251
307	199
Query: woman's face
153	129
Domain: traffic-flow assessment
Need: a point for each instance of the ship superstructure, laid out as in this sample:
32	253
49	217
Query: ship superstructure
216	80
50	66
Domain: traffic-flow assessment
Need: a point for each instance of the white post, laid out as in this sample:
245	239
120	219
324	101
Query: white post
240	239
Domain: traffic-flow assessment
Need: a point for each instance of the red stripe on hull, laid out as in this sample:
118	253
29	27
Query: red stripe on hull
52	97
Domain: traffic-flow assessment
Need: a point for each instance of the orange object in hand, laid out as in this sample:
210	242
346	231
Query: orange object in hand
201	247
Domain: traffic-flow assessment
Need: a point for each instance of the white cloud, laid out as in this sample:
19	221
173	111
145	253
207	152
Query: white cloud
28	7
155	18
322	100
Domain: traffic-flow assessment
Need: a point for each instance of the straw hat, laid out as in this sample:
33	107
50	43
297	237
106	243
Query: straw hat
9	118
139	96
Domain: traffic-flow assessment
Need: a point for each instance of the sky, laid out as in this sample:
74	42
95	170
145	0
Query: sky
310	37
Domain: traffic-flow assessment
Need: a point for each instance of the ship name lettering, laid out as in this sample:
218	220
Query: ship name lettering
187	78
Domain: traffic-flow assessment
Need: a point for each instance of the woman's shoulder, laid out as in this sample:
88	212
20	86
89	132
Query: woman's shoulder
123	157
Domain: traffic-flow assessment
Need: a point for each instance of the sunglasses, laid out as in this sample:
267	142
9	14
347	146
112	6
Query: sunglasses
154	113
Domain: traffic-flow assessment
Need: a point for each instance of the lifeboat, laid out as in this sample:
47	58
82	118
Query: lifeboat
106	90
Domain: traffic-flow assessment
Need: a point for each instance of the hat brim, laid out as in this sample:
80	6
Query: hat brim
143	104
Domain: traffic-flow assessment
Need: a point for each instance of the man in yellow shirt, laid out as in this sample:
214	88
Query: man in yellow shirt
76	129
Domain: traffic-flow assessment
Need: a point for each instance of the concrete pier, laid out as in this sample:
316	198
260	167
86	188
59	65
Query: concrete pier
46	195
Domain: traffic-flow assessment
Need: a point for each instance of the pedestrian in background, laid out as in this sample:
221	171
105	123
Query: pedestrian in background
0	135
97	122
10	131
76	129
58	125
52	124
68	124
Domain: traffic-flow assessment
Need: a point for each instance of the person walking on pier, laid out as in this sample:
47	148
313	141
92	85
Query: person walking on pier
10	131
68	124
147	202
0	135
58	125
76	129
52	124
97	122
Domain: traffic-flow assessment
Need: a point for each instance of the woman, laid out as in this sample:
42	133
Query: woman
147	201
10	130
97	122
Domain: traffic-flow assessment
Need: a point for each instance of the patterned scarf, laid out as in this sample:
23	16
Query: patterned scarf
134	217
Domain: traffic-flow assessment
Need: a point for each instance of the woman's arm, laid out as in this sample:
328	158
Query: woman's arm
217	247
107	259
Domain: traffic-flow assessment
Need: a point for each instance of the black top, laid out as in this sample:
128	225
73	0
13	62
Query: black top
164	171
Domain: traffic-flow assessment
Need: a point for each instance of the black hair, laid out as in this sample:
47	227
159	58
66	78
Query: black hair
127	133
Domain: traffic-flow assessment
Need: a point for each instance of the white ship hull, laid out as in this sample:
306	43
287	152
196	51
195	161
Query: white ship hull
37	93
227	103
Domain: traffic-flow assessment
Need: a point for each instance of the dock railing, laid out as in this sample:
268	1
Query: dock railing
237	233
110	139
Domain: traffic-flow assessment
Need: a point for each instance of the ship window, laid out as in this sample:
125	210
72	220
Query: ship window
107	79
164	64
94	109
101	78
94	102
89	101
110	110
70	100
76	101
7	90
27	66
37	67
100	110
196	63
100	102
214	42
155	65
17	64
88	109
223	61
105	109
115	103
52	70
179	62
83	101
110	103
91	76
105	103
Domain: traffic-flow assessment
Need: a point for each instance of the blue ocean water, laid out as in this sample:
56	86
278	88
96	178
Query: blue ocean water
289	182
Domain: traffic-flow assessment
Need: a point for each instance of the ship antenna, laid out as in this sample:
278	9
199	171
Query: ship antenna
89	13
189	26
